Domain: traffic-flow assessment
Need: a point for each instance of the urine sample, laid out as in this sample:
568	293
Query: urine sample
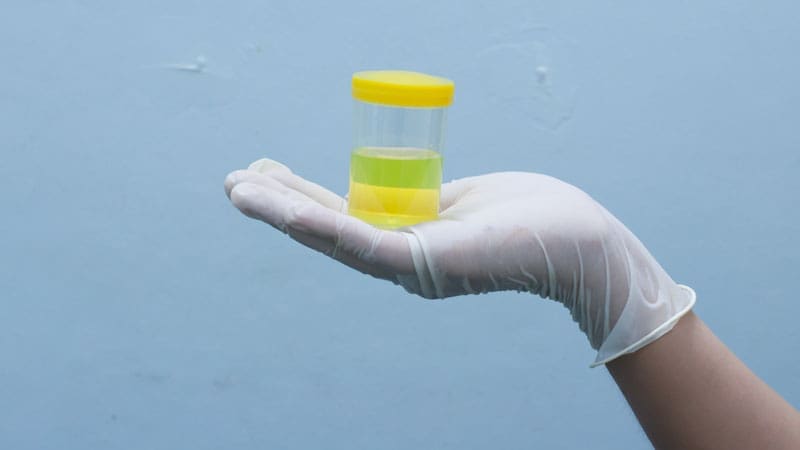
396	161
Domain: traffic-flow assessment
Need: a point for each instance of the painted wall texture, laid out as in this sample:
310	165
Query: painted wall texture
140	310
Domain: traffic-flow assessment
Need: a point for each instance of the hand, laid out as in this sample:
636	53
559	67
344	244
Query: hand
501	231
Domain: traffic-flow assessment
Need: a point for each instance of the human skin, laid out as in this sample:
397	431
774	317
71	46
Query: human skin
689	391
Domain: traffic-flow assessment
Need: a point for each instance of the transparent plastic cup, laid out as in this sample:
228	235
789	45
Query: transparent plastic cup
396	161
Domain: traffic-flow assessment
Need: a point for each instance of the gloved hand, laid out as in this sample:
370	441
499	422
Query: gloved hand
501	231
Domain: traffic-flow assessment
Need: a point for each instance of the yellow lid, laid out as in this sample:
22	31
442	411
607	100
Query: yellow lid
402	88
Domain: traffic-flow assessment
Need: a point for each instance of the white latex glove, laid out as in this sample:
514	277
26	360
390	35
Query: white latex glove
501	231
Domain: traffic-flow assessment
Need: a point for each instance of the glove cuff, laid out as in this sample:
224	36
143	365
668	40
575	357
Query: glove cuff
606	354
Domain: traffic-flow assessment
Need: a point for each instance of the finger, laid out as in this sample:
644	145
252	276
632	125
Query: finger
273	210
263	203
353	239
288	183
282	173
272	202
262	166
340	236
247	176
234	178
326	247
266	165
452	191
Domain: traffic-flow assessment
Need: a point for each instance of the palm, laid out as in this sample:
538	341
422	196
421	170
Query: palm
501	231
495	232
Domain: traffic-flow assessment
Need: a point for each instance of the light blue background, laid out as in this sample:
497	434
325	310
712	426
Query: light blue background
140	310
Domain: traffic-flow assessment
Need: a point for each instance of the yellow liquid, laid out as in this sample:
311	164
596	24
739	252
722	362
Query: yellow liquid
394	187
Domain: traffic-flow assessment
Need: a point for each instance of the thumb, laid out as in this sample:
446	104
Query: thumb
454	190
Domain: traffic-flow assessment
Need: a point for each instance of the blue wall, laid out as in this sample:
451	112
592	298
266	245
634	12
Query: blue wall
140	310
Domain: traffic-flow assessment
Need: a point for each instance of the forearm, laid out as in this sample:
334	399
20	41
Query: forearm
689	391
553	239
